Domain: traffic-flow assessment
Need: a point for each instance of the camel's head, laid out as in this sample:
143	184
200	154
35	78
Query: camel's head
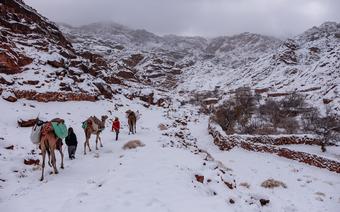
38	122
128	112
104	118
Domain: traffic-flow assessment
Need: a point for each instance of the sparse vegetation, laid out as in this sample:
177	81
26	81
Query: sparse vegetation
246	113
271	183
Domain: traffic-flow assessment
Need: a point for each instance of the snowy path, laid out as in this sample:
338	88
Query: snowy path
152	177
157	177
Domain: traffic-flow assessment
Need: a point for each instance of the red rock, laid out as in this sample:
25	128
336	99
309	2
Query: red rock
133	60
327	101
113	80
27	123
261	90
31	82
56	64
31	162
5	82
126	74
199	178
10	99
277	94
105	90
94	58
54	96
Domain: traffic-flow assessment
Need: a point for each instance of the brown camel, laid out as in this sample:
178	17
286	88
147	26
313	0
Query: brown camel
94	126
49	143
132	119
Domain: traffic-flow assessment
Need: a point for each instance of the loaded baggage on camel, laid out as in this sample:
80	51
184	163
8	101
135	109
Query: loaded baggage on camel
58	126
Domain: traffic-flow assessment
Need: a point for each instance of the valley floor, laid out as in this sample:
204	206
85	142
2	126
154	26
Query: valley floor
157	177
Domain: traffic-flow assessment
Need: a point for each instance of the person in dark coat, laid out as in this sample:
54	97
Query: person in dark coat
71	142
116	127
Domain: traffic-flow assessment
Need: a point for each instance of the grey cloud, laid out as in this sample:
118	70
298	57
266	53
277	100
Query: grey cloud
196	17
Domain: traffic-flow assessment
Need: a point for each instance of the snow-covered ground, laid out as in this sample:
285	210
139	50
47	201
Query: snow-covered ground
156	177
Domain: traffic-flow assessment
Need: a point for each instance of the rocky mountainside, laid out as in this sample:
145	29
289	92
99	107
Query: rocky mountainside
36	58
160	60
308	63
97	59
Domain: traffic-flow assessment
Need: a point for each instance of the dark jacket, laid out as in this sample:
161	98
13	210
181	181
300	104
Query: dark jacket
71	140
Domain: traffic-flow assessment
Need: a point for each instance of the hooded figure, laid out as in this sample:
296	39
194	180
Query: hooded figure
71	142
116	127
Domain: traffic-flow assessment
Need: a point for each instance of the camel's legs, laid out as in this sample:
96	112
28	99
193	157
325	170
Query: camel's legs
100	141
62	158
54	164
130	127
88	144
85	147
49	158
87	138
43	153
97	136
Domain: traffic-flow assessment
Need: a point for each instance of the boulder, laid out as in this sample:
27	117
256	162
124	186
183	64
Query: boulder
27	123
133	60
31	161
126	74
105	90
199	178
11	147
264	202
327	101
56	64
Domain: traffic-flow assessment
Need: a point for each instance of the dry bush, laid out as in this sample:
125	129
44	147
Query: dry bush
293	101
270	111
237	110
133	144
162	127
245	184
241	110
225	117
271	183
290	124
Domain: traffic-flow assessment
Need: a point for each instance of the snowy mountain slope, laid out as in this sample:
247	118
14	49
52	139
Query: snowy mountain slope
165	174
157	177
163	59
35	55
307	63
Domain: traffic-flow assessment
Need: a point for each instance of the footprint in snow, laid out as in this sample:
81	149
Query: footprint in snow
82	194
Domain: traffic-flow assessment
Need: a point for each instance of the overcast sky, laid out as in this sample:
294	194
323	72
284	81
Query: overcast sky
279	18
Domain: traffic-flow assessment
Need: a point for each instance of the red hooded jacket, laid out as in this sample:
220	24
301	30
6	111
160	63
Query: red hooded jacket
116	125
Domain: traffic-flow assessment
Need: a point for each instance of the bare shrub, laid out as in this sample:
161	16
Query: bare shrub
162	127
308	118
293	101
241	114
271	183
245	184
270	111
253	127
225	117
237	110
133	144
290	124
327	128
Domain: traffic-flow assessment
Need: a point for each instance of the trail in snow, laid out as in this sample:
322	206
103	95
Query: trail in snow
157	177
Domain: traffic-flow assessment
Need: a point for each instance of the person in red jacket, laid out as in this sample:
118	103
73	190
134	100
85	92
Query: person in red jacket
116	127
